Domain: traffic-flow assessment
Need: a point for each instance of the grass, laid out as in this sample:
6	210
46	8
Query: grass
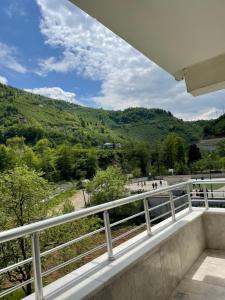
61	198
19	294
215	186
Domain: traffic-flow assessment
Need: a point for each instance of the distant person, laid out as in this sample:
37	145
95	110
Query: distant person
153	185
156	185
160	182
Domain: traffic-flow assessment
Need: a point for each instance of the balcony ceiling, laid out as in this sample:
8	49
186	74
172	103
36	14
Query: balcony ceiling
184	37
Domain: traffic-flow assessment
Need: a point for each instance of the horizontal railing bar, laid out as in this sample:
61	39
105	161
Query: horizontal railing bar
209	200
156	218
215	191
209	192
72	260
180	197
197	200
127	219
159	205
128	232
207	181
54	221
182	205
16	287
14	266
71	242
7	269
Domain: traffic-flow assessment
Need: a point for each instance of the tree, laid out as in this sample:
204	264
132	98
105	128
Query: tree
20	154
221	147
63	233
173	150
47	158
65	162
22	195
6	160
194	154
136	172
91	164
107	185
210	161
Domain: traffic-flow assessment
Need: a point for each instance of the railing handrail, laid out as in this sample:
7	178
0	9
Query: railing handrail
207	181
34	228
18	232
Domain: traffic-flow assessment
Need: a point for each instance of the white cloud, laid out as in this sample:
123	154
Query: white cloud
9	60
3	80
128	78
15	9
54	93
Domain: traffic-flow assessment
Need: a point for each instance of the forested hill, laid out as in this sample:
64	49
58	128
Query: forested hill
34	117
215	128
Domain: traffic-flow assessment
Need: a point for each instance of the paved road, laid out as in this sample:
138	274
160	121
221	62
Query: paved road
147	187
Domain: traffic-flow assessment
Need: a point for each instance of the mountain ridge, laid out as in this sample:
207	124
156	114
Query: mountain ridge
35	116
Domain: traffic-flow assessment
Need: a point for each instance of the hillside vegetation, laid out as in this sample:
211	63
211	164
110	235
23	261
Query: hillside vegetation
215	128
35	117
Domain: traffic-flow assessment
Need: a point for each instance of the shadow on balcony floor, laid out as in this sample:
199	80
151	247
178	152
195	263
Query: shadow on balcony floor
205	280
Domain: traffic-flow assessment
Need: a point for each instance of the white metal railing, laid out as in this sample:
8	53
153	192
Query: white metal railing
34	228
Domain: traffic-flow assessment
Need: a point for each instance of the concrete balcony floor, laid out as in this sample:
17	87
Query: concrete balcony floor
205	279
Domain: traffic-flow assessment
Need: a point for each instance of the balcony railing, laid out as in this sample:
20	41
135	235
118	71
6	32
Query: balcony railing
188	197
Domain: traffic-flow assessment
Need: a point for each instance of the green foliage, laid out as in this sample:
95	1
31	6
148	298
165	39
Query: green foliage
221	148
209	162
136	172
194	154
61	198
35	117
215	128
66	232
107	185
173	150
22	196
22	192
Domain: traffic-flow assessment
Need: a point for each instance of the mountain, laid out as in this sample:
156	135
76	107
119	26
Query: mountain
34	116
215	128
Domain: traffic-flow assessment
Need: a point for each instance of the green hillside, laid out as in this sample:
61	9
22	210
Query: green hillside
34	117
215	128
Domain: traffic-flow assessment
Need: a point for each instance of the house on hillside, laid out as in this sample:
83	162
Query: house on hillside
112	146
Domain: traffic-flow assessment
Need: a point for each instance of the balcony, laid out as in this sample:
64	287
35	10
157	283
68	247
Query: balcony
179	255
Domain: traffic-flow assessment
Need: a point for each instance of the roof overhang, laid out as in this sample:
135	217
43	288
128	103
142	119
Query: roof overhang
186	38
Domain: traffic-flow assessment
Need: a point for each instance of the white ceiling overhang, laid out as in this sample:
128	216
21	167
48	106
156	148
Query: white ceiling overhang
184	37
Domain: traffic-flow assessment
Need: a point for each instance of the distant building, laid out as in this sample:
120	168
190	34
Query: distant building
112	146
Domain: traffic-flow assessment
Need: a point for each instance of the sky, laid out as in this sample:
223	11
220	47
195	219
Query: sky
52	48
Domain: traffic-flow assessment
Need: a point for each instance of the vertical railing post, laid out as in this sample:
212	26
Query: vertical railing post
172	207
205	197
147	217
37	266
108	235
189	196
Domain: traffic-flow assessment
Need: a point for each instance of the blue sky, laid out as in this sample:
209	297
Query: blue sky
52	48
